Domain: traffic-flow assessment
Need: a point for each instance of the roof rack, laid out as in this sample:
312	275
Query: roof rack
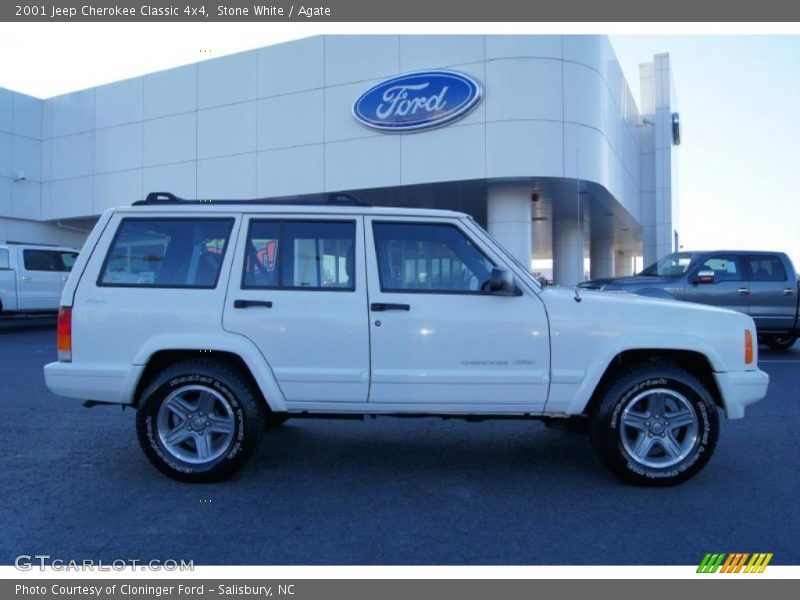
334	199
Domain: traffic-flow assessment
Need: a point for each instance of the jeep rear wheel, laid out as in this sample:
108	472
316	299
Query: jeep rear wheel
199	421
656	425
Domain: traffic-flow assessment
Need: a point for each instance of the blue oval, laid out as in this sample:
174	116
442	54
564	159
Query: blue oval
416	101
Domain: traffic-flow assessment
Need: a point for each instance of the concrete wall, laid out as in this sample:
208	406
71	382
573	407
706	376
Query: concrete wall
20	156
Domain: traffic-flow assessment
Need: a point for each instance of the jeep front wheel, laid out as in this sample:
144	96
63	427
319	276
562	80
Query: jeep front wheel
199	421
656	425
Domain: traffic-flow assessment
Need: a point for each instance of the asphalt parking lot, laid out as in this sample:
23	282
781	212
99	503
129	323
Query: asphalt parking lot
75	485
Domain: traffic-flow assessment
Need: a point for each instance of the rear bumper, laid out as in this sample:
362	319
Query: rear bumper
86	383
740	389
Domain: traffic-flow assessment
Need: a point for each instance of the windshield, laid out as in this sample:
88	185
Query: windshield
672	265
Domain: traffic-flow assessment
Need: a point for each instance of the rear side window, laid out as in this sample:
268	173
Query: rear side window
48	260
766	268
4	261
308	255
173	253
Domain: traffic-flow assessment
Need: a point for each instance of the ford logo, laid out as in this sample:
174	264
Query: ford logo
417	101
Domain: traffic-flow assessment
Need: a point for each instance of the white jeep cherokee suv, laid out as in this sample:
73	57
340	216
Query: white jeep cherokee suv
217	319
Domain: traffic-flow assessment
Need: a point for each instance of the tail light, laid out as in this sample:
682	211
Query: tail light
748	347
64	334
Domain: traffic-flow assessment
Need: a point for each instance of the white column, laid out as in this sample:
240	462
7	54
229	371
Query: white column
601	257
623	266
567	250
509	215
601	247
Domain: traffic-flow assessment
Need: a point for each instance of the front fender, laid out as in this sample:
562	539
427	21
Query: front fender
654	293
231	342
572	395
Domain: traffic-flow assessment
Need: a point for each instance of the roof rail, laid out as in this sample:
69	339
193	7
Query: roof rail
334	198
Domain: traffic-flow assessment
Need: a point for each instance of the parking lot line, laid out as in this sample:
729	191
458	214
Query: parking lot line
777	360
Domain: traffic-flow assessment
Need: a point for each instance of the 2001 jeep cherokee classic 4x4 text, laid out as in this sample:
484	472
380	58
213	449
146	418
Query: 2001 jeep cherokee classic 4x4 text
216	319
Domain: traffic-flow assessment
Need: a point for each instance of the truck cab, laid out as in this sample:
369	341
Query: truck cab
33	276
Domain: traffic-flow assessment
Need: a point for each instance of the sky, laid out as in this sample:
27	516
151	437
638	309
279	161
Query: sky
738	96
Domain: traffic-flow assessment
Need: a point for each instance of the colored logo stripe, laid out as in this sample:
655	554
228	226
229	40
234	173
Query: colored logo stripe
758	563
710	563
733	563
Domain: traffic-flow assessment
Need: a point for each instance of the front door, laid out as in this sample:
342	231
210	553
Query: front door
295	291
730	289
440	342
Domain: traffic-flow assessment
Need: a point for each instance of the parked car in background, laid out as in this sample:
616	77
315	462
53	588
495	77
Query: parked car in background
216	318
32	277
763	285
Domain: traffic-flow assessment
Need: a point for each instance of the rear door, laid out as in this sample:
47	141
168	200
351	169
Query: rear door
773	297
297	290
42	274
439	342
730	288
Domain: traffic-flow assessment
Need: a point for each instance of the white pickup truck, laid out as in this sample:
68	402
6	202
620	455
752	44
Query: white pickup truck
32	277
216	319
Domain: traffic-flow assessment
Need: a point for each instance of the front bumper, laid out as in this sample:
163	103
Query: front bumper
740	389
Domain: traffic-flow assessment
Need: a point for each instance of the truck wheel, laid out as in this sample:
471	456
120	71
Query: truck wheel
656	425
199	421
780	342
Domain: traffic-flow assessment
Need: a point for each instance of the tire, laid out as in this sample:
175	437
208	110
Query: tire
214	413
651	451
276	419
780	342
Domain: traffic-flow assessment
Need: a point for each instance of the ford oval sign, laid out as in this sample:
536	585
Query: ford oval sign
417	101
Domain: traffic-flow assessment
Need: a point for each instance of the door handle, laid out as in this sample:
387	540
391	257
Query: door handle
249	303
788	292
382	306
25	278
743	291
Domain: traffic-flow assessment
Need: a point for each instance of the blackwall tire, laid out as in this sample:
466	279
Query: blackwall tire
199	421
780	342
276	419
656	425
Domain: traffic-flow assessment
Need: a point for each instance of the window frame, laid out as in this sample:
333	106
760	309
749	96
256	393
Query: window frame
282	221
100	283
385	290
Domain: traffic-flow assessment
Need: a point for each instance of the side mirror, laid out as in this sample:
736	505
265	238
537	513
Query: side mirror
501	282
704	276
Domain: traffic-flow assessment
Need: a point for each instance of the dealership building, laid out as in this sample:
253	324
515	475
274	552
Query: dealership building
548	149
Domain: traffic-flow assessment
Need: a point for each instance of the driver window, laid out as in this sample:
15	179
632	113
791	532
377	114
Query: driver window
726	268
428	257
